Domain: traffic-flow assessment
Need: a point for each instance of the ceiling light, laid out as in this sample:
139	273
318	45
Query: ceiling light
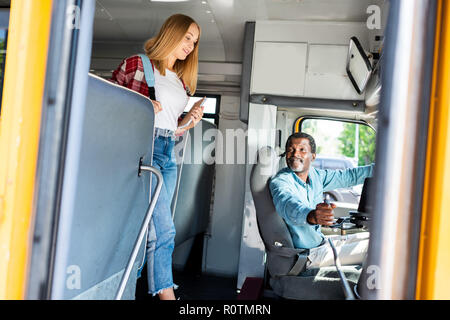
168	0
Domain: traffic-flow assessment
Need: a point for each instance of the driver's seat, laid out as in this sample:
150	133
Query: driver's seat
285	264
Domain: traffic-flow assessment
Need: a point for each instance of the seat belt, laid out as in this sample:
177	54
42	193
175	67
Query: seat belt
149	75
299	266
302	257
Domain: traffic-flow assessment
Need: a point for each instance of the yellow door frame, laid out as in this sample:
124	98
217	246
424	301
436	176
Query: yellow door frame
28	38
433	277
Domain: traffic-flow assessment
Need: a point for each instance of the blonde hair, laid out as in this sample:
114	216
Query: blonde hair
160	47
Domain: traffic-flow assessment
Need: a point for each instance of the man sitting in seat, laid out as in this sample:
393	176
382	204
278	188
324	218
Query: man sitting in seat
297	193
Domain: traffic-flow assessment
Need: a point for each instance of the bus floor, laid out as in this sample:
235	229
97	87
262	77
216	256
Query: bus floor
193	286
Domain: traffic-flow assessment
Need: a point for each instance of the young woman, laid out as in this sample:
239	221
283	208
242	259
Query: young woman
174	56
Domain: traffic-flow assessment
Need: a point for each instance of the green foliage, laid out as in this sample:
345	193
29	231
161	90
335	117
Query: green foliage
366	150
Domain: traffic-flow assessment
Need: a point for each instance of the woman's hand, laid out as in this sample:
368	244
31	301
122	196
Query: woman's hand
194	115
196	112
156	106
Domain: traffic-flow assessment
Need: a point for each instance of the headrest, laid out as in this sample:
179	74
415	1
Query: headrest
267	161
264	169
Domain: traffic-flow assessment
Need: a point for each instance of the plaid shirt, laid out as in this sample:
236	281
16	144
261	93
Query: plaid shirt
130	74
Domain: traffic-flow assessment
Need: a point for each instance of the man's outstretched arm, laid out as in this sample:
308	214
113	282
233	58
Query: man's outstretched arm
334	179
288	203
293	210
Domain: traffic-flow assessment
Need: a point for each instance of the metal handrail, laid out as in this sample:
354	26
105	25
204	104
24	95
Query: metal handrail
347	291
148	216
180	171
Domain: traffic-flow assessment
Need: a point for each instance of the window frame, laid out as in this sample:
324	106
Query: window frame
298	122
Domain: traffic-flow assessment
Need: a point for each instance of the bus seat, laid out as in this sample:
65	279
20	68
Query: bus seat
193	196
323	283
111	199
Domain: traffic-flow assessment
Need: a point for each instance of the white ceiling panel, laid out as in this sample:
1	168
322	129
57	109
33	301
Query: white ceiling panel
120	21
222	21
122	26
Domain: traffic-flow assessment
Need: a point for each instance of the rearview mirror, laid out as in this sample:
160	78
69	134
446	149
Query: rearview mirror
359	68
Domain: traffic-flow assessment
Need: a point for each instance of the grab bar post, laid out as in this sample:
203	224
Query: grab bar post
347	291
148	216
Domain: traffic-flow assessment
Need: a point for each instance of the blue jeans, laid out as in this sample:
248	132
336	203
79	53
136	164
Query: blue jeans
161	232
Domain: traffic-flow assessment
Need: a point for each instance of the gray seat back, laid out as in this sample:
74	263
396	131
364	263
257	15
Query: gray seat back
272	228
111	200
193	196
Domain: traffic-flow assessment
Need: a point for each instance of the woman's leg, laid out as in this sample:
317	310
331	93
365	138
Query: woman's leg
167	294
161	237
170	178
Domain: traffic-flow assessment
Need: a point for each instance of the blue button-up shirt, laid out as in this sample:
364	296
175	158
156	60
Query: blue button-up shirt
294	199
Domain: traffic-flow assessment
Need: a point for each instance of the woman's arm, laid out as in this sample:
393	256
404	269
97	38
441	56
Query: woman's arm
192	118
125	75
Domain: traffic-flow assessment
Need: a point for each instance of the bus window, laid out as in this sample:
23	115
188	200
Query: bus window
341	145
4	21
353	141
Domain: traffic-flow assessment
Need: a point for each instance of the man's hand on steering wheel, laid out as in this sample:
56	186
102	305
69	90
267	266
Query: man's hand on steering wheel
323	214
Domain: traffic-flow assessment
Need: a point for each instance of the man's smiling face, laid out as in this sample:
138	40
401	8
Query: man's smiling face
299	156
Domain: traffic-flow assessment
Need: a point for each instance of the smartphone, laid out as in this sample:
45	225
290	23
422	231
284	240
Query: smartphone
203	102
190	120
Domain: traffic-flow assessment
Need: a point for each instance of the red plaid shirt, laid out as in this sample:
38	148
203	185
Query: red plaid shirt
130	74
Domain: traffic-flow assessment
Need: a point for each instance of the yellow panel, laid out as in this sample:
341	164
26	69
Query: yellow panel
28	37
297	124
433	277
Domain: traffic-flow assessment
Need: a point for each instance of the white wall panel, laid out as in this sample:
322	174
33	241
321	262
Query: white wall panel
262	124
279	68
326	75
305	58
